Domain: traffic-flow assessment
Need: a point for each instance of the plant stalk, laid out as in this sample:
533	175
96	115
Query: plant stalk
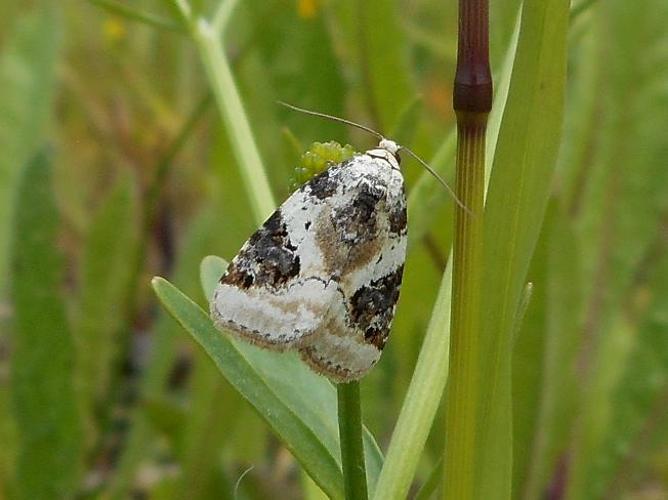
235	119
472	102
350	437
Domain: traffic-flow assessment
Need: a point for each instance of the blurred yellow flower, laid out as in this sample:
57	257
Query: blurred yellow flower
113	29
307	8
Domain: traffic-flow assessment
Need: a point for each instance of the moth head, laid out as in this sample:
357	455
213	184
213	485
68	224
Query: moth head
391	147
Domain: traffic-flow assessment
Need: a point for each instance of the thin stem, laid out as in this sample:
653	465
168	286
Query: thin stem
236	122
472	101
350	436
222	15
463	381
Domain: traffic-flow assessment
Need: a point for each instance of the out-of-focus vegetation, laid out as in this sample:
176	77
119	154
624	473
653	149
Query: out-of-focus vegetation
120	160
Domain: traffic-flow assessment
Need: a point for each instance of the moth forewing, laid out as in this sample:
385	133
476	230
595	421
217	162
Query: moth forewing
322	275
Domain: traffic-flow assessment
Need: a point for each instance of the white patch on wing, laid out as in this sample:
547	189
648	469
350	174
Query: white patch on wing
279	318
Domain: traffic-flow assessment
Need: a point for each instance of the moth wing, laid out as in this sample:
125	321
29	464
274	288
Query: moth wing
367	243
276	291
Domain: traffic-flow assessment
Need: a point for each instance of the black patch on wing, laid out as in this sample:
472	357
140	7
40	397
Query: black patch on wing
322	186
397	215
268	259
372	307
356	223
398	219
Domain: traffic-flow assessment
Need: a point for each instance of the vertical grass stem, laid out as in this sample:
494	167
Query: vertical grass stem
235	119
472	102
350	436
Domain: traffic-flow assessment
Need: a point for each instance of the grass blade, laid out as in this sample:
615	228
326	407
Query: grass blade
27	71
45	404
516	201
105	284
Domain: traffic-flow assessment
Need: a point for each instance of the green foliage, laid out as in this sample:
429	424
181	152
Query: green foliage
518	192
27	67
275	385
169	146
48	423
106	266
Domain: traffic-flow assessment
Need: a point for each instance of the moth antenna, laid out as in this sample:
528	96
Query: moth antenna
333	118
438	178
381	137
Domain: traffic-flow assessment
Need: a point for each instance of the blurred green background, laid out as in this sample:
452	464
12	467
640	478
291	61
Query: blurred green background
115	166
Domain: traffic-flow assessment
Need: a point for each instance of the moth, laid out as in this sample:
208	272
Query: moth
322	276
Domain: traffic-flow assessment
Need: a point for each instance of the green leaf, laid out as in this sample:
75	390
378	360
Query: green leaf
310	450
516	201
110	248
430	376
27	69
276	388
45	406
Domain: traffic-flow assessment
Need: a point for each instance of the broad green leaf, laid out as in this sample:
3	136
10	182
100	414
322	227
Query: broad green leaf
544	362
27	69
516	200
528	364
109	253
312	450
45	404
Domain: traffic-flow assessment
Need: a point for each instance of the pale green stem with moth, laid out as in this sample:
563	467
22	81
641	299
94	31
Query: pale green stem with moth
350	437
222	16
234	117
208	39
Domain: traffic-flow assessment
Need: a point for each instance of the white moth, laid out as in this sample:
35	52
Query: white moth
322	275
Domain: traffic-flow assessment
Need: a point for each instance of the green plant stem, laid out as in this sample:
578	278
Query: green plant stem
222	15
234	117
472	101
350	436
463	384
